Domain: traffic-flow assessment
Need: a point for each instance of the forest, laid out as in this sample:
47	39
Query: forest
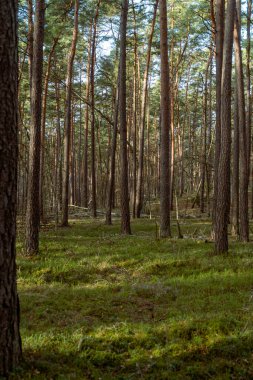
126	189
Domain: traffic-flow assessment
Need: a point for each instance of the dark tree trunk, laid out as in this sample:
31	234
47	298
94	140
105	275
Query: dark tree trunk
125	212
10	342
223	189
33	209
165	180
67	133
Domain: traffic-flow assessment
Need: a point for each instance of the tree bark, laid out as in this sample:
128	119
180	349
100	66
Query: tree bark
10	342
223	180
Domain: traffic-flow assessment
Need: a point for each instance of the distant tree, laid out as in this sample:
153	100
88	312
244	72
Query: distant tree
33	207
165	180
10	342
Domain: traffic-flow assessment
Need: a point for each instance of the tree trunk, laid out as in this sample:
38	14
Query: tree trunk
219	37
111	182
139	198
223	180
243	141
33	209
92	94
67	133
86	131
43	125
10	342
235	176
165	180
125	212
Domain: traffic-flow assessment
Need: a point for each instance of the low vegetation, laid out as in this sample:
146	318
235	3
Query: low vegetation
96	305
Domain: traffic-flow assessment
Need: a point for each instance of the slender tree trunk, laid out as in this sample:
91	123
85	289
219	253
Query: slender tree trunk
204	138
125	212
92	94
165	180
219	37
30	40
33	209
10	342
139	198
43	125
67	133
244	143
111	182
235	177
223	189
86	131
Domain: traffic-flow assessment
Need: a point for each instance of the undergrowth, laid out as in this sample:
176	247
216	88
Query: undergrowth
98	305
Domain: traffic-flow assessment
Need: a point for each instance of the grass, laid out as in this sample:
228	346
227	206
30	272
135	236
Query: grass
98	305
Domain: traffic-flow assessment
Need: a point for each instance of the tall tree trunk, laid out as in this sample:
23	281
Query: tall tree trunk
33	209
43	125
125	212
86	131
165	180
30	40
111	181
223	189
219	37
67	133
244	143
235	176
92	94
10	342
139	198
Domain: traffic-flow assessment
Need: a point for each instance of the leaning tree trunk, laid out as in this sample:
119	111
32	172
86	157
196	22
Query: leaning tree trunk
10	342
223	181
125	212
67	133
165	180
33	209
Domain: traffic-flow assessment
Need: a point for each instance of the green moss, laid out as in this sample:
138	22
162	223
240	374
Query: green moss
98	305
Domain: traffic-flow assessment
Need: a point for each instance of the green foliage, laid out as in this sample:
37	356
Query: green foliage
96	305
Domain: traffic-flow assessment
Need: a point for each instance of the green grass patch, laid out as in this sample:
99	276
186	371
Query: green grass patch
98	305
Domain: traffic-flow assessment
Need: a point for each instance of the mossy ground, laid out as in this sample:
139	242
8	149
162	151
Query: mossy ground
98	305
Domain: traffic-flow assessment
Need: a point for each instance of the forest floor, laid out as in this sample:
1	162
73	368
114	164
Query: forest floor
98	305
